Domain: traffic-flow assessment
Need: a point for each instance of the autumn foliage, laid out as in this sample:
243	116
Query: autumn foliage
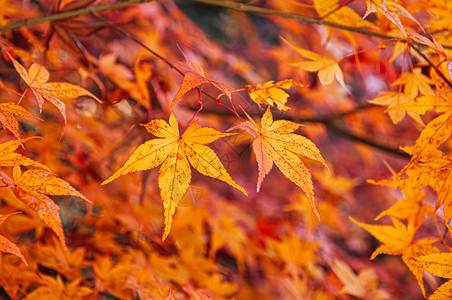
205	149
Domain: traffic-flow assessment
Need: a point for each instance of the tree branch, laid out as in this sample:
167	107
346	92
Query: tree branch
71	14
271	12
449	83
330	124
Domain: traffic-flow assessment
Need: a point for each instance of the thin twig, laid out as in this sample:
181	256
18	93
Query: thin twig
271	12
388	149
441	74
171	65
71	14
330	123
133	38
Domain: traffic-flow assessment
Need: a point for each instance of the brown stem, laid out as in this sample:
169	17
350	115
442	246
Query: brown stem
71	14
271	12
330	123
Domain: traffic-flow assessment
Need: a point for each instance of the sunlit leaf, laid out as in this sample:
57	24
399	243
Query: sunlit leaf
271	93
8	158
7	246
327	68
275	142
54	92
193	77
33	186
7	113
176	153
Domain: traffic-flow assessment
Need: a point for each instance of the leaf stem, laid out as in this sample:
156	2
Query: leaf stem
133	38
171	65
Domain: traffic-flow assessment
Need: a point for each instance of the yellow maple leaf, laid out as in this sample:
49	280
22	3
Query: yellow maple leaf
439	264
434	134
8	158
398	240
7	246
391	10
420	247
410	208
7	113
421	105
176	153
271	93
33	185
54	92
275	142
395	99
340	14
362	286
328	68
394	238
415	82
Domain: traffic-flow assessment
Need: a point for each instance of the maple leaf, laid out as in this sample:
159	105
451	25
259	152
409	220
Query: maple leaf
275	142
7	113
8	11
410	208
271	93
8	158
415	82
395	238
362	286
332	11
176	153
421	105
193	77
7	246
54	92
439	264
32	186
434	134
70	30
328	68
395	99
391	10
398	239
55	288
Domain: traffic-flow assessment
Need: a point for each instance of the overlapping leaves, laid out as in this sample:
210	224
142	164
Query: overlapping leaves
271	92
176	153
7	246
32	188
55	92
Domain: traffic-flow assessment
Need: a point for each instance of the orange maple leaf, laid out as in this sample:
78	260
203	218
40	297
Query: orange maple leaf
7	113
54	92
275	142
33	185
7	246
193	77
8	158
176	153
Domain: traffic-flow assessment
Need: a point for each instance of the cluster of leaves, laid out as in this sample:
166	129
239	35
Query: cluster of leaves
173	234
